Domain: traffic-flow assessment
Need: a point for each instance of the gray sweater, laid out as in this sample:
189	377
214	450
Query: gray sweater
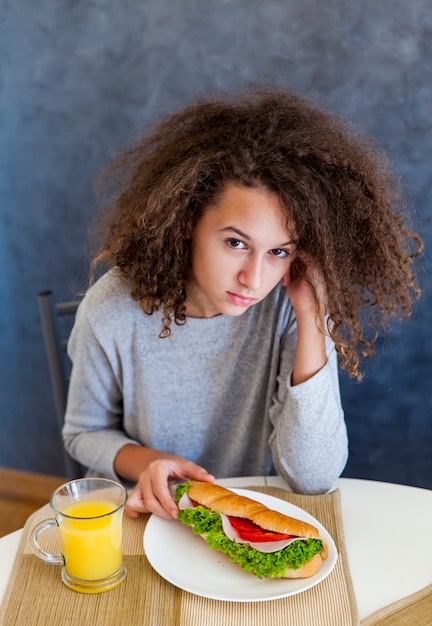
216	392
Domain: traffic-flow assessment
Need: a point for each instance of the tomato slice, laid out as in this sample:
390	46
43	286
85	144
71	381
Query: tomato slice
251	532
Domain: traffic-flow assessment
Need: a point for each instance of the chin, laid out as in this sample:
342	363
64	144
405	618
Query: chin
236	311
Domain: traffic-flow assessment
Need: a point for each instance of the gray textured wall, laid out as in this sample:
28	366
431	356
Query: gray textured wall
77	82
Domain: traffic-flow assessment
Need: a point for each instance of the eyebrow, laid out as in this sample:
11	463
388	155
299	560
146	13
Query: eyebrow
245	236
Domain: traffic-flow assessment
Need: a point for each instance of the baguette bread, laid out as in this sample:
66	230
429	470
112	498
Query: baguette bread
307	570
221	500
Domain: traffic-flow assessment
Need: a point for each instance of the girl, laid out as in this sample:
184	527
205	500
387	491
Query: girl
252	242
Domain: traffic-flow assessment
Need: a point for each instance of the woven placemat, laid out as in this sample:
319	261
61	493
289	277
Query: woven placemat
36	596
415	609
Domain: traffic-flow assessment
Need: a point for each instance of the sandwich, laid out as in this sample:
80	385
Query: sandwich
262	541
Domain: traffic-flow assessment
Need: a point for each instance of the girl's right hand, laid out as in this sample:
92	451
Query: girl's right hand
152	492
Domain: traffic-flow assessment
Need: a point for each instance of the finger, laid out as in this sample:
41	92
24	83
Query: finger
134	504
151	504
166	509
131	513
190	470
141	502
202	475
162	478
163	499
286	279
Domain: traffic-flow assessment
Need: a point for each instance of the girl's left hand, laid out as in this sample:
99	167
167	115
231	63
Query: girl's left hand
306	290
305	287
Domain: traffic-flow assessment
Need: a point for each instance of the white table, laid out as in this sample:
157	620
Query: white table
377	518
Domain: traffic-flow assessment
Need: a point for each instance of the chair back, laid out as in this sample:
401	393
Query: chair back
57	320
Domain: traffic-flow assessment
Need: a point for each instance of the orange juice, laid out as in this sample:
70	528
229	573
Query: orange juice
92	548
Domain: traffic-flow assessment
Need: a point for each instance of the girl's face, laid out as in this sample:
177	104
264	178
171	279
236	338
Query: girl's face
241	248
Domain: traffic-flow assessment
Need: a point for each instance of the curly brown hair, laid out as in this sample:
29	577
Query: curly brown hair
333	183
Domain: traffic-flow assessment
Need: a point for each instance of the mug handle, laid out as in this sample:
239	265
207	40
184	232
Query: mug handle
54	559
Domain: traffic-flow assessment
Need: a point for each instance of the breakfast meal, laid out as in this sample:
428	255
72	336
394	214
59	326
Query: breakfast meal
260	540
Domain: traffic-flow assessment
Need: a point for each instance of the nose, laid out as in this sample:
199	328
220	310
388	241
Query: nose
250	274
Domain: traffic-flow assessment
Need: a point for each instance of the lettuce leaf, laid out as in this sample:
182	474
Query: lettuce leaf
181	489
264	565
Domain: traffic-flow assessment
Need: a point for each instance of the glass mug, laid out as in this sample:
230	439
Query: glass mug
89	516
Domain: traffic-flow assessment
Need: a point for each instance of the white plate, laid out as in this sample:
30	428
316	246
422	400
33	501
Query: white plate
185	560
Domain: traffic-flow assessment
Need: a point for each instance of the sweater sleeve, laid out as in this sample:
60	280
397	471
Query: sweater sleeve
309	440
93	432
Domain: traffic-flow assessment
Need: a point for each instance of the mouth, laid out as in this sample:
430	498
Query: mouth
241	300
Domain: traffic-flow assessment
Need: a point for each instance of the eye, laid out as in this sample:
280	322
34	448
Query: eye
280	253
236	244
